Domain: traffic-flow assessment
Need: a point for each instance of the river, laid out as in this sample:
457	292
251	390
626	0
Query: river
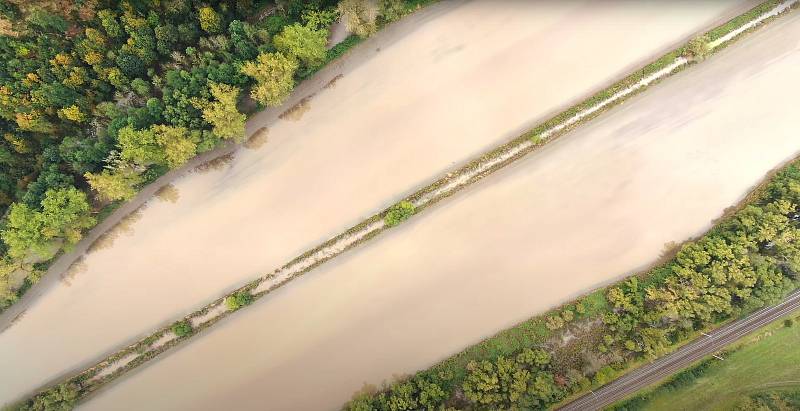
595	205
418	99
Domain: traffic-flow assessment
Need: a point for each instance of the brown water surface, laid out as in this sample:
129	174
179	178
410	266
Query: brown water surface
447	83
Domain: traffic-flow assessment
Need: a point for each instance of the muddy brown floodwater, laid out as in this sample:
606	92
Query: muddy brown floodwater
593	206
448	82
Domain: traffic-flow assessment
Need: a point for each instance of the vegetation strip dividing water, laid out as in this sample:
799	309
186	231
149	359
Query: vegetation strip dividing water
169	336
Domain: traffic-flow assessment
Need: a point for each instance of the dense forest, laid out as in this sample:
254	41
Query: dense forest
99	97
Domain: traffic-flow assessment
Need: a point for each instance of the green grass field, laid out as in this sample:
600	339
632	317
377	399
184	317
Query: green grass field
765	362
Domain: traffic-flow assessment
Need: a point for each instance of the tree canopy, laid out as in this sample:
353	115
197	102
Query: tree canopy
359	16
304	43
63	215
273	74
226	121
114	185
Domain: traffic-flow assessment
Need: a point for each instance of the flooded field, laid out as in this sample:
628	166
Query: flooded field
391	123
594	206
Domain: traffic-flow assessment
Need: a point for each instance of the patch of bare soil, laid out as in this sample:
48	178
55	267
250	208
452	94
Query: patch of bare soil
572	348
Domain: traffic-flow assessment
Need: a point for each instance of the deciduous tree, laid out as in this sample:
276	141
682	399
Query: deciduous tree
115	185
64	214
303	42
273	73
359	16
225	119
160	144
210	21
177	144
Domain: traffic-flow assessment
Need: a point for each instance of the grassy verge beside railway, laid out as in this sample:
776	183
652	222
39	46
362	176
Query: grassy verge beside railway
754	372
576	324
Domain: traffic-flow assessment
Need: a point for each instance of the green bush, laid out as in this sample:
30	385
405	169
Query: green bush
698	47
59	398
580	308
275	23
495	384
153	173
398	213
413	394
239	300
182	328
332	54
604	375
554	322
568	315
390	10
